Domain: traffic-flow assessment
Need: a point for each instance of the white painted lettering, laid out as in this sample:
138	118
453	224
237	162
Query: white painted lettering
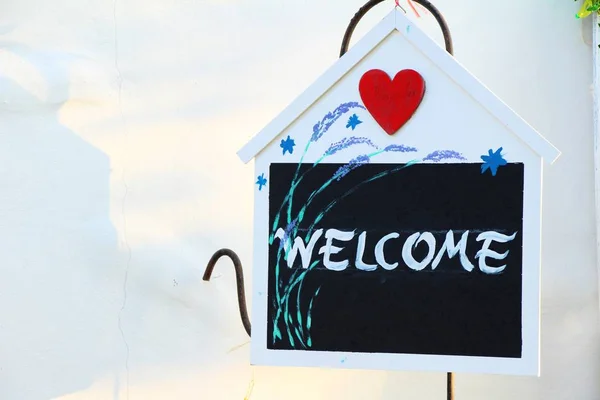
299	247
380	256
360	251
330	249
414	240
485	251
451	249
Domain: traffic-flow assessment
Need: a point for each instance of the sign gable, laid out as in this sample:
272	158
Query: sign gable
447	117
396	21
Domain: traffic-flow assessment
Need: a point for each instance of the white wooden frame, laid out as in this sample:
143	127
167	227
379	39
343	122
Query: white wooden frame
397	23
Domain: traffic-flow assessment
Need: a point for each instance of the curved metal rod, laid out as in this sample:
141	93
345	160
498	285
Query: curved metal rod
239	277
372	3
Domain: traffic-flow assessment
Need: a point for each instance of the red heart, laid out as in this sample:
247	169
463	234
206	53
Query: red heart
392	102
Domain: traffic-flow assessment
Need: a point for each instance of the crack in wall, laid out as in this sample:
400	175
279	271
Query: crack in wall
124	218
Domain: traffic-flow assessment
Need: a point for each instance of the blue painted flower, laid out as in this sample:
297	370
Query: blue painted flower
287	145
262	181
492	161
353	122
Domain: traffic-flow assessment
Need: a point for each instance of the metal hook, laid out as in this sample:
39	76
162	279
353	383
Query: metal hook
372	3
239	277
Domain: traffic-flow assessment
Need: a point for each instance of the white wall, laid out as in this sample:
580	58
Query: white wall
119	124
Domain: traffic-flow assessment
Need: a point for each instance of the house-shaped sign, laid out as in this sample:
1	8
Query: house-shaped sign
397	218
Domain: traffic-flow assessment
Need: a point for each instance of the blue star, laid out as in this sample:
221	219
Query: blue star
262	181
287	145
492	161
353	122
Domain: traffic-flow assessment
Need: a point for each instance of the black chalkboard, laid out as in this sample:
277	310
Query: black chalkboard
447	310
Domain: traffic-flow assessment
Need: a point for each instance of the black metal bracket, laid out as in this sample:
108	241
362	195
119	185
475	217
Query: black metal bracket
237	264
239	277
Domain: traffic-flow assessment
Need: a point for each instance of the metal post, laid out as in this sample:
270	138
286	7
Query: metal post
450	385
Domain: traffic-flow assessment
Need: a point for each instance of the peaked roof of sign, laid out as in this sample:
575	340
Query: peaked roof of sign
396	20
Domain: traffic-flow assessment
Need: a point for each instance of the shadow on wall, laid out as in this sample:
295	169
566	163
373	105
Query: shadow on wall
60	265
